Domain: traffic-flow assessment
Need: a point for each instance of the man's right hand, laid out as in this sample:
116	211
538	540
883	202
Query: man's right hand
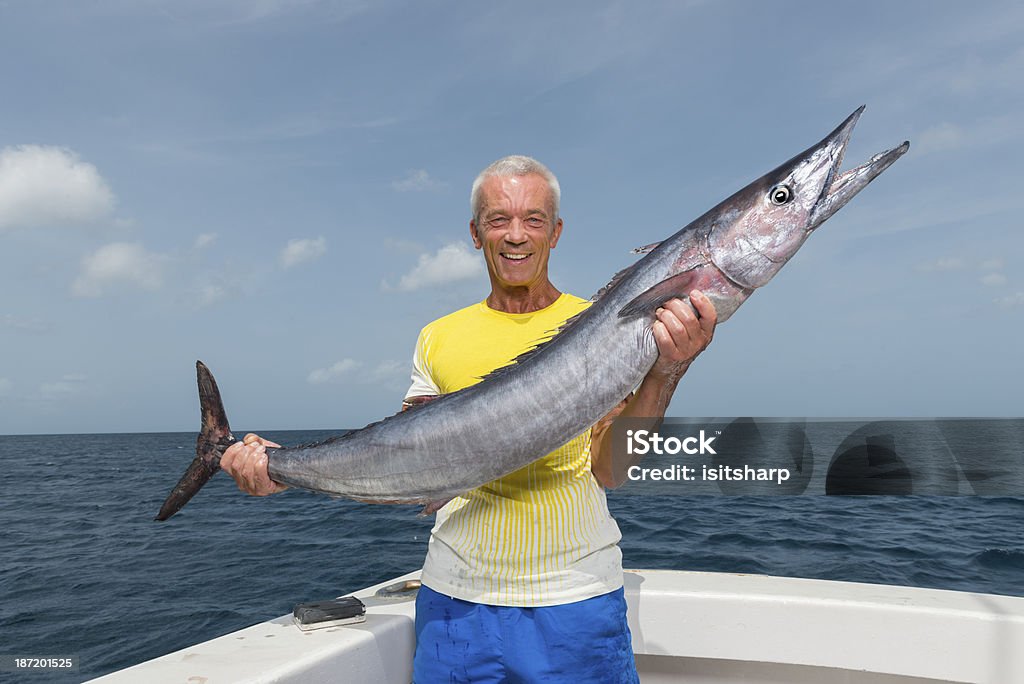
246	462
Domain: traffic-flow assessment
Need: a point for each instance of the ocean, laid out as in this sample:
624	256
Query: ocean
87	572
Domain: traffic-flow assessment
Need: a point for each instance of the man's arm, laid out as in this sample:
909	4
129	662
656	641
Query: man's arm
680	336
246	461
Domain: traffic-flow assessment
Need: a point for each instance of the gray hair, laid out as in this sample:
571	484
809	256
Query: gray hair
511	167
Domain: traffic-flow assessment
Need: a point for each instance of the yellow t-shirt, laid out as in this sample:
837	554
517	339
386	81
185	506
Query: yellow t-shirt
541	535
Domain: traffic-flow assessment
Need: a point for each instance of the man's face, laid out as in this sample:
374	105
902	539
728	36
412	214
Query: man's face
516	230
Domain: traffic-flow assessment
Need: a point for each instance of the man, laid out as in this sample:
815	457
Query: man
523	576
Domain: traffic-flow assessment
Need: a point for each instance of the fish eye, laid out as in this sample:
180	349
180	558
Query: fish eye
780	194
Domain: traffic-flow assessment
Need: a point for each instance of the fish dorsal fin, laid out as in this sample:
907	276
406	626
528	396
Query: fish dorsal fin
616	279
648	301
536	349
646	248
567	324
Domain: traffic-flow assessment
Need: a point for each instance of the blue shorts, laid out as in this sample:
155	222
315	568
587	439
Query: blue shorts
582	642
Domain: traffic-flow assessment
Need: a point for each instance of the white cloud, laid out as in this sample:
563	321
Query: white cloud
25	325
404	246
332	373
119	263
389	369
298	251
66	386
204	240
993	279
5	387
943	265
450	263
388	373
947	136
46	186
1010	301
417	180
232	13
209	294
993	265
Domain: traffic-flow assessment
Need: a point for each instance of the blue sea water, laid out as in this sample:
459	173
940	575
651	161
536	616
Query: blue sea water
86	571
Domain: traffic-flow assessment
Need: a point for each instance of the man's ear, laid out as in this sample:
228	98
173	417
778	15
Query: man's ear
473	233
556	233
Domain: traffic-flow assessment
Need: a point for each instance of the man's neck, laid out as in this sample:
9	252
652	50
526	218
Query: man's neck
523	300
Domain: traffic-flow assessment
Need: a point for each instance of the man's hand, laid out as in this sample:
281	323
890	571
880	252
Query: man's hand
246	461
681	335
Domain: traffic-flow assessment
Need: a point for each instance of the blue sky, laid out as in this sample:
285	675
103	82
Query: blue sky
281	189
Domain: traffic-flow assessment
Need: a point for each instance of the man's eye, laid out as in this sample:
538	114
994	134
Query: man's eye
535	222
498	221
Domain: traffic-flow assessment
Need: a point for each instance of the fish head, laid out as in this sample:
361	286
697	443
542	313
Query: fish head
756	231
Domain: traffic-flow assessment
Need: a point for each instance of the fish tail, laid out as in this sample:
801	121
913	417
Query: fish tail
214	437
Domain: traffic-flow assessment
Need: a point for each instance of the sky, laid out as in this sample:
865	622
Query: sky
280	188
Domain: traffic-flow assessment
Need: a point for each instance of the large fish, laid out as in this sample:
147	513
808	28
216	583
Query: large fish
561	388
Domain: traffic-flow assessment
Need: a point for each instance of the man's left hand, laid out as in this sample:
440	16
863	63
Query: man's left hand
681	335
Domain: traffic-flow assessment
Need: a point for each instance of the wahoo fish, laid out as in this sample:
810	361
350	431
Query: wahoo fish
559	389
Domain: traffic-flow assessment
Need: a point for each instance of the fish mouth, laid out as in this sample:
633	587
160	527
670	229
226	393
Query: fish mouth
840	188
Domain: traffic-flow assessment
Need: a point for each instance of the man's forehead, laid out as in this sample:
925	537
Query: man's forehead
501	191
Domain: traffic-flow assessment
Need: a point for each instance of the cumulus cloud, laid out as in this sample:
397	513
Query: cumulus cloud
389	370
210	293
24	325
66	386
332	373
943	265
947	136
450	263
993	279
46	186
417	180
1011	301
118	264
387	373
299	251
204	240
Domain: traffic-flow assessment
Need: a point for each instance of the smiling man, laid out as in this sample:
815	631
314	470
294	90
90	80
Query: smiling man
523	576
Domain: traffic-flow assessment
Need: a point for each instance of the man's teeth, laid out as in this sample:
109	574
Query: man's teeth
515	257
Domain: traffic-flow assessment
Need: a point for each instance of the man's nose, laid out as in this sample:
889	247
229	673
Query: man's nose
516	231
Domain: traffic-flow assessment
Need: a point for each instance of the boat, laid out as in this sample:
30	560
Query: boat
695	627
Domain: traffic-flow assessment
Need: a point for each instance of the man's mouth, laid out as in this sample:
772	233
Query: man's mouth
513	256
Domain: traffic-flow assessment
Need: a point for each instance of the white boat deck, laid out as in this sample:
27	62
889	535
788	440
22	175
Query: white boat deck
707	628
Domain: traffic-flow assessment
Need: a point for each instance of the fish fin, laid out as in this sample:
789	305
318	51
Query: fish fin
646	248
648	301
214	436
432	507
568	323
616	279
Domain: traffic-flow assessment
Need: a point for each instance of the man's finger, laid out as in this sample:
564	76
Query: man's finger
666	345
684	314
227	459
707	311
675	323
